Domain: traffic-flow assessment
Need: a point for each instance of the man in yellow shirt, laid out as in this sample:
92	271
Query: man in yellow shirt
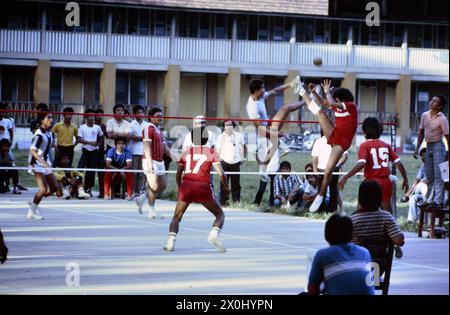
65	132
70	181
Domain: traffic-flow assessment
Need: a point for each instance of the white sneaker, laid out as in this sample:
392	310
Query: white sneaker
170	245
297	85
66	194
34	213
283	146
287	205
215	241
139	202
82	194
316	203
152	214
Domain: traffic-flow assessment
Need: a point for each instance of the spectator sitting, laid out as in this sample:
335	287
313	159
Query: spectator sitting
311	189
118	158
288	188
7	160
70	181
342	266
418	191
3	249
374	228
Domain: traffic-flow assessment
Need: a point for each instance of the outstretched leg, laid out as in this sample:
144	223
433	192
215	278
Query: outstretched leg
335	155
283	112
325	122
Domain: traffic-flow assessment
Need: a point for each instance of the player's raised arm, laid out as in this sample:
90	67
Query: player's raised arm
358	167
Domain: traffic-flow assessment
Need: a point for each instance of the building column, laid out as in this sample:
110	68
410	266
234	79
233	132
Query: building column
349	82
403	106
171	94
288	98
41	91
232	93
108	87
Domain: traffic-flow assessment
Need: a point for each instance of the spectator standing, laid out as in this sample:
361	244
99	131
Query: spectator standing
117	127
342	266
7	160
418	191
136	147
433	128
7	132
65	132
89	135
231	148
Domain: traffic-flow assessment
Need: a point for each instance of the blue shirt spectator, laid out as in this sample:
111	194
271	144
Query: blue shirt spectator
344	269
117	159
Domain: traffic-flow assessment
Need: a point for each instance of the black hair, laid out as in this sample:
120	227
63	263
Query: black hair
343	94
42	114
307	166
372	128
40	106
443	100
68	110
255	85
199	136
89	111
338	229
137	108
5	141
369	195
285	164
232	122
3	105
118	106
120	139
99	111
152	111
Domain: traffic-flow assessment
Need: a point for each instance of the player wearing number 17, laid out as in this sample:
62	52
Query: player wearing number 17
374	156
195	186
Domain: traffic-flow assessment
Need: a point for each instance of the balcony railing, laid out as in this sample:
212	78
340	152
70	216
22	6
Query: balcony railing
212	52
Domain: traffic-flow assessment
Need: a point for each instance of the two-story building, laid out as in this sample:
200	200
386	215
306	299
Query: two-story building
196	57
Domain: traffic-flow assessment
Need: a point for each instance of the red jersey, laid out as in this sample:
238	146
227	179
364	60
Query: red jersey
197	163
377	155
346	118
155	136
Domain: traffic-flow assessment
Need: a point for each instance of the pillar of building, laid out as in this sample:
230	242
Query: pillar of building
108	87
290	97
403	106
232	93
171	94
41	90
349	82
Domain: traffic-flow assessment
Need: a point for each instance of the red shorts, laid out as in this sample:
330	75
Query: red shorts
344	138
385	185
193	191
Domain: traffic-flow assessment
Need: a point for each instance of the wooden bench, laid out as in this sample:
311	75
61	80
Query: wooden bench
435	212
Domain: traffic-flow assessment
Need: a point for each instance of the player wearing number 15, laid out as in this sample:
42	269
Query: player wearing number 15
195	186
374	156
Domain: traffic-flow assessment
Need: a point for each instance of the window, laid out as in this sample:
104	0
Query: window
263	27
252	27
442	37
204	25
132	21
119	18
144	22
122	87
137	88
427	36
287	29
415	34
388	32
374	37
277	28
9	84
160	23
85	20
241	27
193	25
399	33
319	36
98	20
55	86
334	32
183	25
221	26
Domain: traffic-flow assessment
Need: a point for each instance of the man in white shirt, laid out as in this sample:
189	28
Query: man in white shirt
231	148
320	155
6	125
117	127
90	136
136	147
199	121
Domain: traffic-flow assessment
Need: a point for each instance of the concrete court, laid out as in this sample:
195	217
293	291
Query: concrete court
119	251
